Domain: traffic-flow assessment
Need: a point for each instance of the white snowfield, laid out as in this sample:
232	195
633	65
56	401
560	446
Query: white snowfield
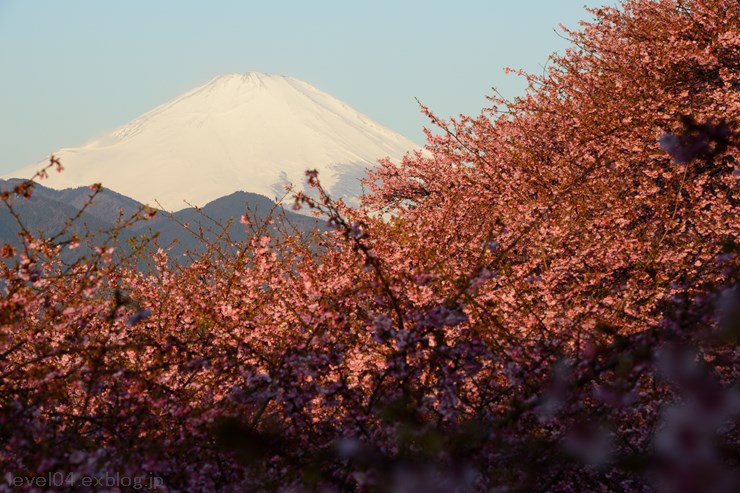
252	132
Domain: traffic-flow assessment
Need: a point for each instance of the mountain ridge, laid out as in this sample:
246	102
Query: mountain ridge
47	210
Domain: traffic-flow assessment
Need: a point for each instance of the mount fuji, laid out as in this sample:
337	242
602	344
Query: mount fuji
252	132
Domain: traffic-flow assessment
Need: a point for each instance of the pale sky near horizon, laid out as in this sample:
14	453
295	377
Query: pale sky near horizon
75	69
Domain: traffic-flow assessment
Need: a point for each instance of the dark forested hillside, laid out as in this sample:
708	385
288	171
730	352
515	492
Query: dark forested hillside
47	211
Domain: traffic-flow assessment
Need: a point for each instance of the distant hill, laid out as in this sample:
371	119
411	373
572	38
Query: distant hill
225	210
47	211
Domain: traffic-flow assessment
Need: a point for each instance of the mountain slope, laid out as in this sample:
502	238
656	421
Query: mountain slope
46	212
251	132
226	211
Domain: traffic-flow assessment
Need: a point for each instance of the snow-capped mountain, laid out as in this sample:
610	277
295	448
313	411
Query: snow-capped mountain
252	132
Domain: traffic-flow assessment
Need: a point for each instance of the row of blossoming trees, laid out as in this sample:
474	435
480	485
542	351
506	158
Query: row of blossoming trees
543	300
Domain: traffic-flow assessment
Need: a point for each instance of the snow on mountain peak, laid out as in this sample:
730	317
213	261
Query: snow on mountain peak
250	132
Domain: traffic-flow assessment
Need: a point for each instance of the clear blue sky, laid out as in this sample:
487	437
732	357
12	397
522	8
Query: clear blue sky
76	68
